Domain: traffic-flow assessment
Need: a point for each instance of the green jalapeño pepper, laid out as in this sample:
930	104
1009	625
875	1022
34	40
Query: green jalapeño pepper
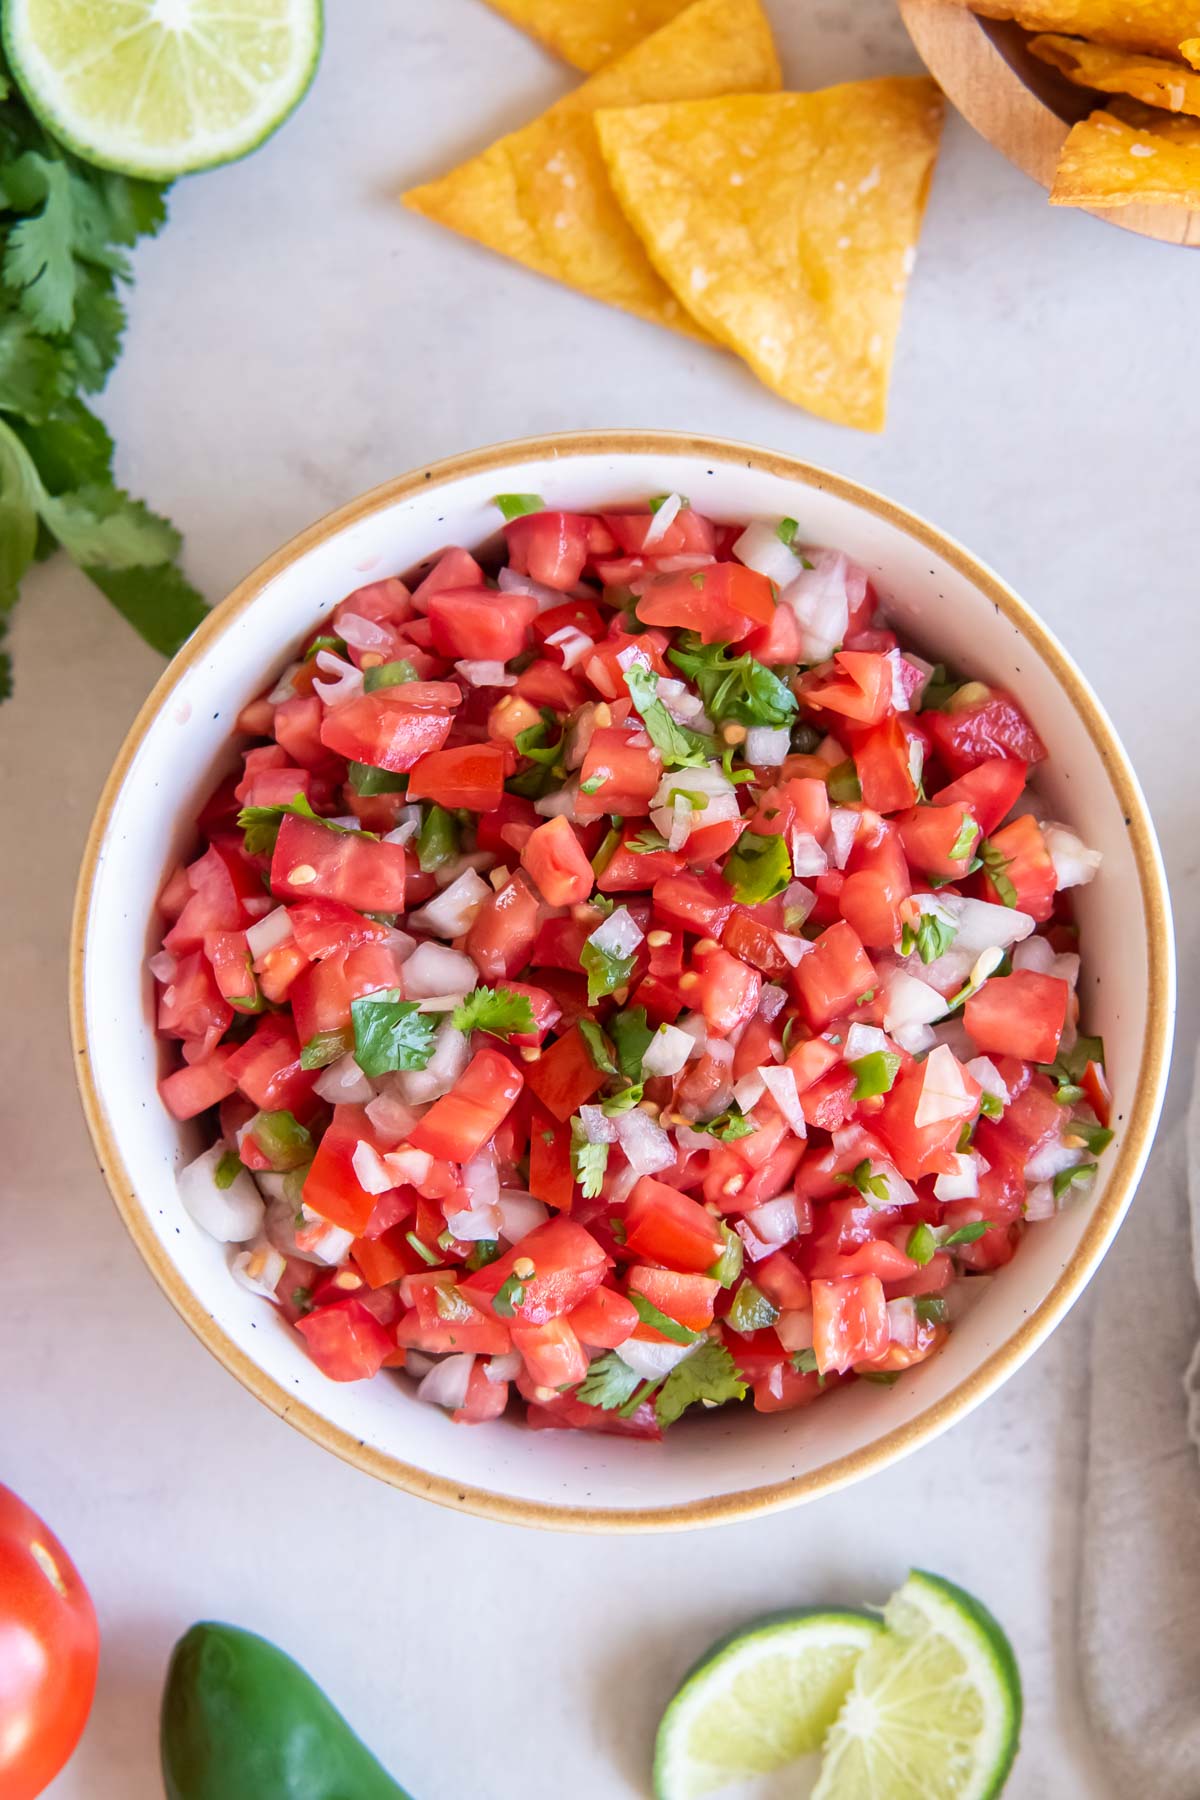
242	1721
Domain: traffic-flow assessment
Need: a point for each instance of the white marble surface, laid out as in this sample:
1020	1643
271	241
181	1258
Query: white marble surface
295	338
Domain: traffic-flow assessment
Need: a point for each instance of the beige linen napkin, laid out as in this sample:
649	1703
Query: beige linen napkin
1140	1599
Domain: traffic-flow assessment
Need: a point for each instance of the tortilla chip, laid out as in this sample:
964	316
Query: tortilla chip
787	225
1177	127
541	195
1154	25
1107	161
589	33
1148	78
1190	51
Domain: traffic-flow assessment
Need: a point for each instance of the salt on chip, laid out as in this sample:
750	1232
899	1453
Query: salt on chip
788	225
1190	51
1154	25
589	33
542	196
1151	79
1110	161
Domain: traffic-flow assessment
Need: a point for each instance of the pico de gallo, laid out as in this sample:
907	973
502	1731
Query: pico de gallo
621	976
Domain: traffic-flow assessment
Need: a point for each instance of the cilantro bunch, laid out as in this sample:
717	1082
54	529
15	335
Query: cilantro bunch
65	229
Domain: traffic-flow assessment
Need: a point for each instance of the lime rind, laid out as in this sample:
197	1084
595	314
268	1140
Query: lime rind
161	88
759	1699
934	1711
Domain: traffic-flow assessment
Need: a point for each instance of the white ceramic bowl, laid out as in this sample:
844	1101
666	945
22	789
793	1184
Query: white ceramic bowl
712	1468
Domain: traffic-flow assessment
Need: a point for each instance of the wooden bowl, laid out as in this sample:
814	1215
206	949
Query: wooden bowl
1019	104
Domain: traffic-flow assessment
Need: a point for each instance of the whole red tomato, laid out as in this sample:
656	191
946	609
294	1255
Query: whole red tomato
49	1646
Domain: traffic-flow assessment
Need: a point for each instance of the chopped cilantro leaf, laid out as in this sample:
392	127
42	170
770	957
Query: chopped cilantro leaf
598	1045
390	1033
708	1375
260	824
727	1127
786	531
931	939
967	1234
605	972
588	1162
732	686
495	1010
996	863
609	1382
679	747
624	1102
631	1037
869	1185
757	868
646	843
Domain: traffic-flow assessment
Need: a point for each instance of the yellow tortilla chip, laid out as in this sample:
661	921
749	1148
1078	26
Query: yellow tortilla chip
1108	161
589	33
1154	25
1148	78
787	225
1190	51
1178	127
541	195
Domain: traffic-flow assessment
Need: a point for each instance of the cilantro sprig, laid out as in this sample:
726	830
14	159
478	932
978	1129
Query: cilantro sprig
390	1033
497	1011
679	747
731	686
260	824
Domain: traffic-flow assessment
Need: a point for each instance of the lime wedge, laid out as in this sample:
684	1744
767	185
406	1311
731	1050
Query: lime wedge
759	1699
935	1708
158	88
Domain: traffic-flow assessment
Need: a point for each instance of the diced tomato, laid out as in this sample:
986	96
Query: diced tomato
667	1227
572	615
856	685
481	624
629	870
311	861
471	776
850	1322
991	724
564	1076
297	725
464	1120
1023	873
567	1264
989	791
565	1414
385	1258
726	993
753	942
481	1335
1021	1014
322	927
345	1340
723	602
887	760
689	533
787	1388
192	1006
620	774
321	995
267	1067
550	1177
833	977
691	902
930	833
781	1281
553	547
486	1400
553	1354
191	1090
503	931
922	1150
877	880
331	1187
389	729
1099	1094
689	1299
604	1318
219	884
556	861
454	568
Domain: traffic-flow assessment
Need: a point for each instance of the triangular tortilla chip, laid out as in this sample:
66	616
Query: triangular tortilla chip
589	33
1154	25
542	196
1149	78
1107	161
1190	51
787	225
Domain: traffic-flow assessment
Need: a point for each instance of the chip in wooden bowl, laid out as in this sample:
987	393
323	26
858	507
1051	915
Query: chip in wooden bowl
1158	26
1107	70
1110	160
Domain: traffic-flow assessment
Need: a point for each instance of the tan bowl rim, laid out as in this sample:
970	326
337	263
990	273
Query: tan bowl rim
1003	1361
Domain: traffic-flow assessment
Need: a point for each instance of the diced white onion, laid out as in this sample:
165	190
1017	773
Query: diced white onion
163	966
978	923
404	831
797	902
808	858
843	829
693	1026
648	1148
572	644
794	1329
232	1215
266	934
390	1116
345	683
485	674
331	1245
944	1090
865	1040
780	1083
451	914
1074	864
953	1034
899	1191
793	948
650	1360
520	1214
902	1323
761	548
283	689
821	598
749	1090
363	634
407	1166
480	1178
1051	1160
667	1051
416	1363
446	1383
510	582
475	1225
767	746
436	969
756	1248
1037	953
619	935
772	999
596	1127
561	803
909	1007
775	1222
1040	1203
451	1053
983	1070
500	1368
662	521
370	1171
259	1269
678	818
962	1183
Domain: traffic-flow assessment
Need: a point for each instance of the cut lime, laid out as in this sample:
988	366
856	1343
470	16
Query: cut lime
158	88
759	1699
935	1708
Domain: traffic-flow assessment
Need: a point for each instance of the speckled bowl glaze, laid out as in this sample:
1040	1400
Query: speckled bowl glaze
714	1468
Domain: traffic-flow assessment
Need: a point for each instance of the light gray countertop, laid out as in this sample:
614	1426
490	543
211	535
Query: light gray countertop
295	338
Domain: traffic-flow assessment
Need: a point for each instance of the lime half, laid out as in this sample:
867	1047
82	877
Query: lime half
934	1712
158	88
760	1699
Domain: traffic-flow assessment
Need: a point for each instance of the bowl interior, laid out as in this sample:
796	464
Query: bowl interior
714	1466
